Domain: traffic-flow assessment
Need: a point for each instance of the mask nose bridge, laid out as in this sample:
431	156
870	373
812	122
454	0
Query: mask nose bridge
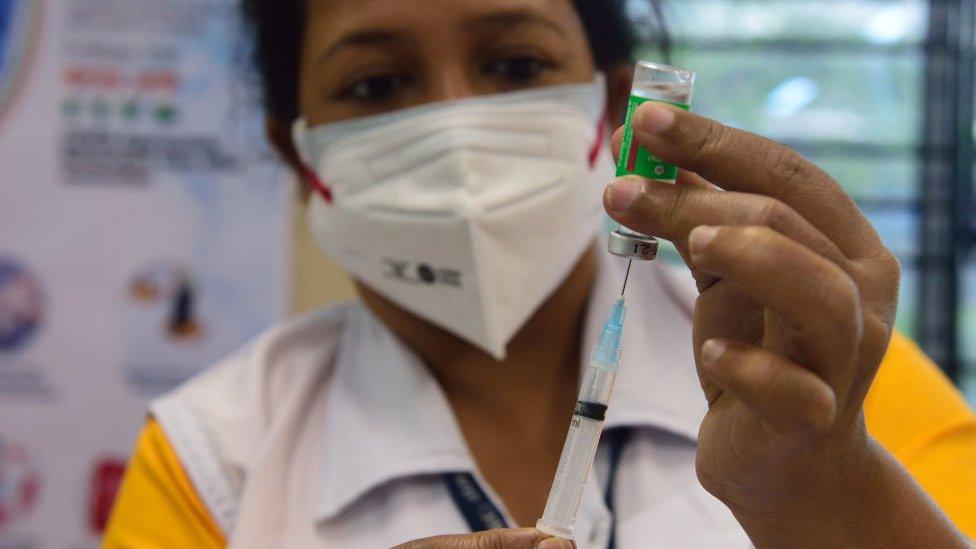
440	141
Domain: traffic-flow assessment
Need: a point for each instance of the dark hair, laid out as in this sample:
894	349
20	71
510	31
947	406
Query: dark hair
276	27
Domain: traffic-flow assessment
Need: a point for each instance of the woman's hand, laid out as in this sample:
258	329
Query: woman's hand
524	538
797	303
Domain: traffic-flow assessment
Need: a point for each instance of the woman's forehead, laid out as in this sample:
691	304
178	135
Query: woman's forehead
336	18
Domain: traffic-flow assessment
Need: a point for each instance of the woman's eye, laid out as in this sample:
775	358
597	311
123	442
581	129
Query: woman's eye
518	69
374	88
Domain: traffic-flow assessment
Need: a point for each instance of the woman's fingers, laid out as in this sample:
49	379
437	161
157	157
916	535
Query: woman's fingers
523	538
725	311
673	211
791	400
740	161
685	177
692	179
810	293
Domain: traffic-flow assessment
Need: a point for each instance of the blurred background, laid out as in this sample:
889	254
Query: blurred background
880	94
146	229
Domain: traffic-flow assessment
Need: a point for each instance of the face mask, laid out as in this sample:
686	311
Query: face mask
467	213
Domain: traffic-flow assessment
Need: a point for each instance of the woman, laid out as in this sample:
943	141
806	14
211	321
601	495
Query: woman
455	149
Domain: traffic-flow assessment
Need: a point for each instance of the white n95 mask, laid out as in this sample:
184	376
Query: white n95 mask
467	213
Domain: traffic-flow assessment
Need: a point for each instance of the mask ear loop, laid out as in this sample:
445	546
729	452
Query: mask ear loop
601	135
299	128
324	191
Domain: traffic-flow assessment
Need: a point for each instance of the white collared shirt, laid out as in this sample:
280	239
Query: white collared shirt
328	432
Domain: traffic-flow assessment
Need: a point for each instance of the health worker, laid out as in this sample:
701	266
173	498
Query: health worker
458	156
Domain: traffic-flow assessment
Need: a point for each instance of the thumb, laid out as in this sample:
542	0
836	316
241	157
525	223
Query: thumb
524	538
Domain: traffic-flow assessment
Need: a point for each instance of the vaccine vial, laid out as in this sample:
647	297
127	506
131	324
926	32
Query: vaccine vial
663	84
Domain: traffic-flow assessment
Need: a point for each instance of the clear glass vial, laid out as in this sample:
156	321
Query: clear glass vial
652	82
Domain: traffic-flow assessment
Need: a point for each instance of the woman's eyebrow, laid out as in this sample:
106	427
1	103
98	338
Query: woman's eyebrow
360	38
387	36
512	18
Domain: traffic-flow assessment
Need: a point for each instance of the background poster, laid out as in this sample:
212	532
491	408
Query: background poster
143	234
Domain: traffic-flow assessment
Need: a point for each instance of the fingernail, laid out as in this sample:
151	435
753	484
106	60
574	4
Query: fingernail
555	543
700	237
712	350
654	119
622	193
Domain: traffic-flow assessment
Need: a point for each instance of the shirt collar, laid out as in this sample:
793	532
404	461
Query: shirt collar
387	418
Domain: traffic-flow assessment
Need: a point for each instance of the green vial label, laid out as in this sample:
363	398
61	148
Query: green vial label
634	158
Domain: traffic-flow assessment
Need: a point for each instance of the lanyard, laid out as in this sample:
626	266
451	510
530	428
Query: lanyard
481	514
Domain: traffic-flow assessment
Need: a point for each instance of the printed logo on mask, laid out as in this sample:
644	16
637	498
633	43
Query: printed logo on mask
422	273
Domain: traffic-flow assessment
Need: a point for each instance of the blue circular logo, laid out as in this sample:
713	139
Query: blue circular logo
19	26
21	305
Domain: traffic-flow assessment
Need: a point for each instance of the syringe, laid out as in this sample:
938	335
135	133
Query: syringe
584	429
652	82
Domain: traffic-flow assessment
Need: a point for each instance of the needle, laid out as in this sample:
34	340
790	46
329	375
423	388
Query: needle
627	277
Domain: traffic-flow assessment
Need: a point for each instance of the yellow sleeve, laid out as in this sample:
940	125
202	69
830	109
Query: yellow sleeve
914	411
156	505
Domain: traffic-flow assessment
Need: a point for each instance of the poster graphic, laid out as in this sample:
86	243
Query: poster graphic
19	484
19	30
152	100
144	227
141	79
105	481
20	305
171	327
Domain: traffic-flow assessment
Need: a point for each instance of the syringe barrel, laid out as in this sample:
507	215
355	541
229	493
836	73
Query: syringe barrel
578	452
652	82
